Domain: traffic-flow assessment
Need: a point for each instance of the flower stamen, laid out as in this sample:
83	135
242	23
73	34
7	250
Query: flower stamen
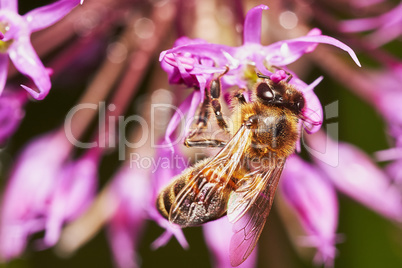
4	45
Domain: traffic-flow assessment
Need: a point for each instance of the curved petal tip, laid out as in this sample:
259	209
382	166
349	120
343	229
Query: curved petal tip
263	7
35	94
252	25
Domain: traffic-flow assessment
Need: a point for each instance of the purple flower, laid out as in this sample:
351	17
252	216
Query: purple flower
365	3
15	42
176	65
314	200
26	199
130	189
11	112
387	101
72	193
394	171
386	27
352	172
194	63
134	191
45	191
311	193
217	236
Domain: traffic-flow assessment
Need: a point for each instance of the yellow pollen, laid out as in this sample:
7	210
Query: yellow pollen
250	75
4	45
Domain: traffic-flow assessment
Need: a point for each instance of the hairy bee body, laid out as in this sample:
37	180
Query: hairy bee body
200	212
241	180
273	137
275	131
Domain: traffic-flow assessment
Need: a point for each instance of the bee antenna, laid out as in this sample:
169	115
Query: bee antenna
260	75
290	76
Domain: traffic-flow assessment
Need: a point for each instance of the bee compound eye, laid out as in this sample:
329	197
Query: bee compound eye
265	92
300	104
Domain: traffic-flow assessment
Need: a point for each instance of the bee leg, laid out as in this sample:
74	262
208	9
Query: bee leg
204	143
240	97
211	99
215	91
203	115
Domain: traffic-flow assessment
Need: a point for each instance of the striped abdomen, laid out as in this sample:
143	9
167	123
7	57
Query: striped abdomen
205	199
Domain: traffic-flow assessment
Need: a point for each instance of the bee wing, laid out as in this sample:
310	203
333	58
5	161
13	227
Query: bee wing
248	210
204	190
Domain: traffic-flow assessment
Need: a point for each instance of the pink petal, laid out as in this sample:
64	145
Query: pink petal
315	203
394	170
217	236
385	34
170	230
46	16
30	187
39	163
204	50
357	25
252	25
167	235
161	177
190	103
187	62
131	191
364	3
195	102
13	240
285	52
11	112
123	239
3	71
356	175
392	17
11	5
75	189
28	63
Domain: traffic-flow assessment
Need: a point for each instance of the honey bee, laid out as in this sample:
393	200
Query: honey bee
241	180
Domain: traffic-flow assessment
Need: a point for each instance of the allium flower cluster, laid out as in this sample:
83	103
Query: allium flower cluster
15	41
66	190
11	112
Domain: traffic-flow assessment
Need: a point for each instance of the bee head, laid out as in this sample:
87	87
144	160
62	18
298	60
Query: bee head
280	94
